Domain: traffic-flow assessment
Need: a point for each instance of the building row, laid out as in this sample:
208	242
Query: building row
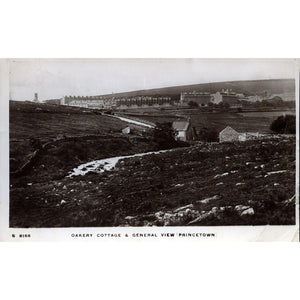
102	102
111	102
204	98
226	96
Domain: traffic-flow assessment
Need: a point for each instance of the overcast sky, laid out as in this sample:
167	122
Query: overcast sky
54	78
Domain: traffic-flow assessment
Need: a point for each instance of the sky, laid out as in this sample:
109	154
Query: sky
55	78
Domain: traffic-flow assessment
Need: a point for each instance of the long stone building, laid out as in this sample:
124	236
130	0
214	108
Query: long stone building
104	102
204	98
226	96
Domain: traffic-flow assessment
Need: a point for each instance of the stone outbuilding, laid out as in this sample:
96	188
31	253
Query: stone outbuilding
228	135
126	130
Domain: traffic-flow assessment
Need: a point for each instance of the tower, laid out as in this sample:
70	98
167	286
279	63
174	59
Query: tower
36	98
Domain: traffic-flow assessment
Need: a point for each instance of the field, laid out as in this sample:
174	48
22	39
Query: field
250	183
267	114
243	122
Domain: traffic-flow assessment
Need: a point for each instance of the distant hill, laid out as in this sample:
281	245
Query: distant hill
249	87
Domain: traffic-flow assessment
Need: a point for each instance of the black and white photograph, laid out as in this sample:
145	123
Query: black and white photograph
149	149
152	142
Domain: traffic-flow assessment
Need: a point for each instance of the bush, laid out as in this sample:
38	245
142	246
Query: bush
284	124
226	105
193	104
208	135
164	135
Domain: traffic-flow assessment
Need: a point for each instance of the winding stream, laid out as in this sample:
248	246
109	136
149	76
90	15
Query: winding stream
106	164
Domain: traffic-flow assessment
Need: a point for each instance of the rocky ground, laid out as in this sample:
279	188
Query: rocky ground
249	183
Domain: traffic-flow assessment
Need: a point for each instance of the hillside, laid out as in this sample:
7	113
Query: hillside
49	139
251	183
41	120
249	87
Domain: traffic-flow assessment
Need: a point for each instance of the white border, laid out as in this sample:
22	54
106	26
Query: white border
217	233
297	77
168	270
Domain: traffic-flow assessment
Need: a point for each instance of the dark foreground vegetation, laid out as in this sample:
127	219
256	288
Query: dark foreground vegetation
284	124
250	183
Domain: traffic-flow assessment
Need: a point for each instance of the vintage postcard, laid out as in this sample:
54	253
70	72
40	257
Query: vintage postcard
203	149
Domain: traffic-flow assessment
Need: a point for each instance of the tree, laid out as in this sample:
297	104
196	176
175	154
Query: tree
221	105
210	106
193	104
164	135
226	105
208	135
284	124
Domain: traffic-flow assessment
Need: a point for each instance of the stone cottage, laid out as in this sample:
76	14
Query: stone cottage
230	135
183	130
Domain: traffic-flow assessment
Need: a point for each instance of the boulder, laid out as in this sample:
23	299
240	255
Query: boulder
183	207
249	211
241	207
207	200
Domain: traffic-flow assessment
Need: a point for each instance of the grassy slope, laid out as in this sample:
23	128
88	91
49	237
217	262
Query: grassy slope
75	135
30	120
217	121
145	185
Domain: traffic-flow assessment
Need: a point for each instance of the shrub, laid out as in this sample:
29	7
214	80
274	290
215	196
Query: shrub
164	136
284	124
226	105
208	135
193	104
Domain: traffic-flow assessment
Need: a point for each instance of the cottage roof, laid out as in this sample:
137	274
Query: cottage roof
181	125
228	129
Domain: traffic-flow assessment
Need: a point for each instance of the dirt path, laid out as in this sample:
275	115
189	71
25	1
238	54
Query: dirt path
131	121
